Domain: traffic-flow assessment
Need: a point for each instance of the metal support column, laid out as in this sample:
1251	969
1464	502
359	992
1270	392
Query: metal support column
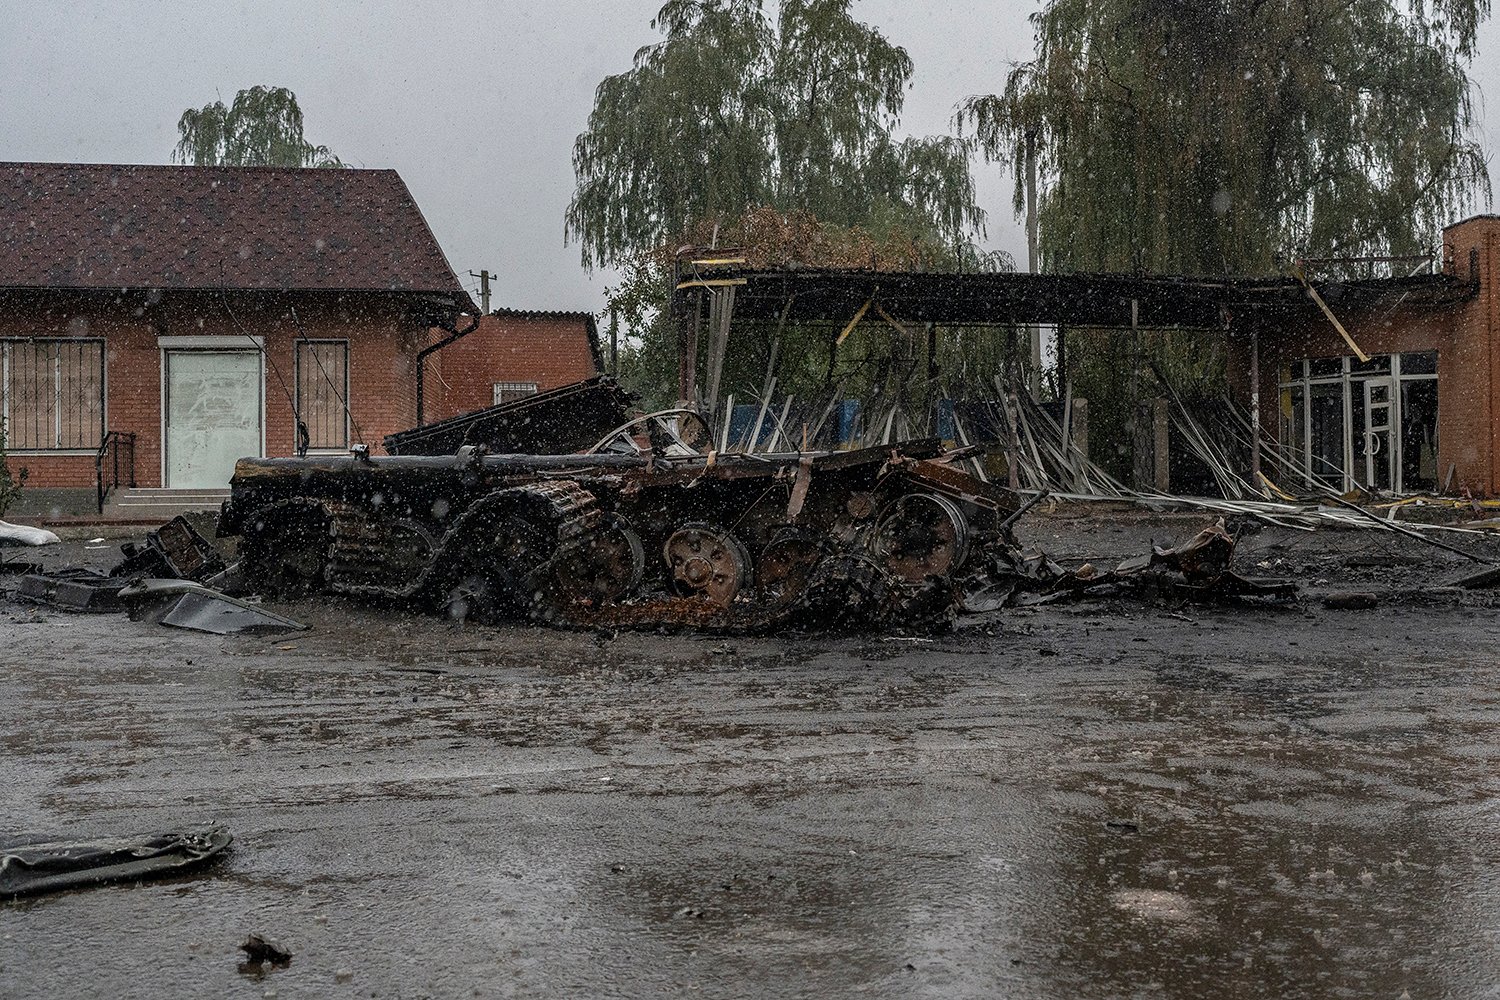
1255	409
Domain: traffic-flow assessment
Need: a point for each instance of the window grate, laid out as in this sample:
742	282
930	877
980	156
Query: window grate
507	391
323	392
52	394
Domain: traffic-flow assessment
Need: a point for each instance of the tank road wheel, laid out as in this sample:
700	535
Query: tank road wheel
605	569
284	548
786	565
516	549
706	562
375	556
410	549
921	535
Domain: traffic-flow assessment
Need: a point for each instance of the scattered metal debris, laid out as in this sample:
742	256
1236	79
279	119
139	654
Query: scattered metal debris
174	551
1197	570
1400	530
74	588
190	605
1487	577
1358	601
558	421
31	868
259	949
18	567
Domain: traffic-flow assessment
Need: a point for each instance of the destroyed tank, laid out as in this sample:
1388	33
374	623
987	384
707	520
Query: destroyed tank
641	527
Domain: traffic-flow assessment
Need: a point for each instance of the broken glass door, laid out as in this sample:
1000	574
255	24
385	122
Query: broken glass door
1326	433
1372	424
1418	439
1377	443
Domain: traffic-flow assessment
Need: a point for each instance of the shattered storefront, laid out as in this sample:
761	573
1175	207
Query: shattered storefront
1391	384
1349	424
1364	374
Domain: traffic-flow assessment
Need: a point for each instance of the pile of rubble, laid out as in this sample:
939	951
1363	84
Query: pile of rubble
175	577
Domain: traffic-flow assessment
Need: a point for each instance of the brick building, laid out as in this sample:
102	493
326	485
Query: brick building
205	312
1423	413
513	353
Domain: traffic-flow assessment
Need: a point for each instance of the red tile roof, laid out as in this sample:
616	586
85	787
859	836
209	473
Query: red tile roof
572	314
86	225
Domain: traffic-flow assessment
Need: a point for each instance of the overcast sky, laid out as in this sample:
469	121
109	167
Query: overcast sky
476	104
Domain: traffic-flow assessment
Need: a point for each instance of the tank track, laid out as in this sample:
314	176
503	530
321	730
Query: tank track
367	554
517	549
532	551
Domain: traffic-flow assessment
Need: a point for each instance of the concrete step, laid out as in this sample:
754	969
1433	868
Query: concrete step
143	506
162	491
167	501
157	504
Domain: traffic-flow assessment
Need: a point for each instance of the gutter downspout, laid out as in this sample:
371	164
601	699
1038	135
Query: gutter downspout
454	334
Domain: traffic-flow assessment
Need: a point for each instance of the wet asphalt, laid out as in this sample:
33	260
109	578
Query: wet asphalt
1107	799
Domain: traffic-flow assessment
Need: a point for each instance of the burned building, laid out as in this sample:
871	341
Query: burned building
1376	373
1408	400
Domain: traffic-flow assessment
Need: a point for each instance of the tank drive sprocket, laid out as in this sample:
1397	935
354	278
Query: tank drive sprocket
538	551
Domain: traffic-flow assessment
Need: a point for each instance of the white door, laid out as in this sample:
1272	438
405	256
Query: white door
213	415
1379	447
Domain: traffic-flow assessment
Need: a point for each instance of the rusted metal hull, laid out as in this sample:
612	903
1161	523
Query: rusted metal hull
735	542
560	420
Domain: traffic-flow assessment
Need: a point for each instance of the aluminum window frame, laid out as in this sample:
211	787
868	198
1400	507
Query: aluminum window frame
1345	379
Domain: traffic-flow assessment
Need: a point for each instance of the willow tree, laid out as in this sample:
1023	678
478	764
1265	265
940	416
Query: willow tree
748	119
261	127
735	109
1219	136
1229	136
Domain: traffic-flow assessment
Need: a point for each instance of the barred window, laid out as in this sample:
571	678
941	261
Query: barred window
52	394
323	392
507	391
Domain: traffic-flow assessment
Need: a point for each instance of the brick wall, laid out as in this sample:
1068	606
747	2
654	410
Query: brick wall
382	356
1484	326
1463	335
551	351
132	394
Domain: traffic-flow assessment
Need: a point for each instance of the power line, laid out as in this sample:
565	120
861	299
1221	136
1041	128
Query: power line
484	289
302	435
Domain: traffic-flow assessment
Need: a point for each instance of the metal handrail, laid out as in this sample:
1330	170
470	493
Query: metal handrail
102	487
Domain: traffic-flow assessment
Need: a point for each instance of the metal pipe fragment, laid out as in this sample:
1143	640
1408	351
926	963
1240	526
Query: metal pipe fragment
1005	524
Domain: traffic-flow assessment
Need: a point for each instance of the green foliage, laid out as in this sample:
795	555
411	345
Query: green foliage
773	135
1204	138
732	111
1229	137
261	127
10	490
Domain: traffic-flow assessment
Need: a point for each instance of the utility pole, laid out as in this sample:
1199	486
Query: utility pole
614	342
484	289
